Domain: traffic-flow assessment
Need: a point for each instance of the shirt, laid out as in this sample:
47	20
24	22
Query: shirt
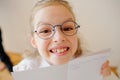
30	63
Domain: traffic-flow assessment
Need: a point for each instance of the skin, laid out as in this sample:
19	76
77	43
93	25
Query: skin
55	15
105	69
4	73
2	66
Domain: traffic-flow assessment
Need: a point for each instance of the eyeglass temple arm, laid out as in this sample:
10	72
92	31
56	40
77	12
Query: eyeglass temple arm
78	26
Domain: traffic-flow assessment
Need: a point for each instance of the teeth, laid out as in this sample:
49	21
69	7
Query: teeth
59	50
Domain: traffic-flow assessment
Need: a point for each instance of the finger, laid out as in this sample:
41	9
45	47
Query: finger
106	64
106	72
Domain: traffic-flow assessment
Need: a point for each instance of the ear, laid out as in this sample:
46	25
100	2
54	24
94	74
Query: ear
32	41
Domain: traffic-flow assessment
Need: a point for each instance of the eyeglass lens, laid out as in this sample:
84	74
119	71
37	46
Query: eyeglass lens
47	30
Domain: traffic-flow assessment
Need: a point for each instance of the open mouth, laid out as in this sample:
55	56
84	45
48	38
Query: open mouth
59	50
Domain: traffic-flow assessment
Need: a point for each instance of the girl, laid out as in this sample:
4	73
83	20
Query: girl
53	35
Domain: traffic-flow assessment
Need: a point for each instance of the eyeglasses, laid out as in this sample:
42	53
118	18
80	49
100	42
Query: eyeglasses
46	31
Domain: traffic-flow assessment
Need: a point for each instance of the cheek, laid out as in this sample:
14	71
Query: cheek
42	45
43	49
74	41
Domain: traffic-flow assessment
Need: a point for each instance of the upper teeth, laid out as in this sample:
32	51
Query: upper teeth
59	50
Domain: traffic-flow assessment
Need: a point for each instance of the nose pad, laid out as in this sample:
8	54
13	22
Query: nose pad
58	35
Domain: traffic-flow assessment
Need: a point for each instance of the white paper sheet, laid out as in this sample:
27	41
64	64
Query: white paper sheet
50	73
87	68
83	68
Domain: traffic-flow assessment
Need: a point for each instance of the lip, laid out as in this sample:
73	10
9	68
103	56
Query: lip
61	53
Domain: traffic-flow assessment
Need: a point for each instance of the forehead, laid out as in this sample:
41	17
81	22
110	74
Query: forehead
53	14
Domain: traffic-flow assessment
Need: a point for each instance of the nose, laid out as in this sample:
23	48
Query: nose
59	35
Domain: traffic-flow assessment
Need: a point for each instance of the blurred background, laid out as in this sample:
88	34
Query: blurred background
99	20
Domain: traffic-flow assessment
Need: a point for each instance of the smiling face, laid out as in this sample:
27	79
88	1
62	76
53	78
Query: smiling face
59	49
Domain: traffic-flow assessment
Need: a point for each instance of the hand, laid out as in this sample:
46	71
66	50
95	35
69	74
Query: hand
4	73
2	66
105	70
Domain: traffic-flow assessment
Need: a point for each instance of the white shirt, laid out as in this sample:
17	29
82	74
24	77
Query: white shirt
30	63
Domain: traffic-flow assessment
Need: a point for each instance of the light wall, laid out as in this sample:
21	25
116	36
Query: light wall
100	25
99	20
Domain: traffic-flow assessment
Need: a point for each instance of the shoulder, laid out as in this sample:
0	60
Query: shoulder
27	64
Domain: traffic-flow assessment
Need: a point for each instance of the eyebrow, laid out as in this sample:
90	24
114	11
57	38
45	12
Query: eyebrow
42	22
70	19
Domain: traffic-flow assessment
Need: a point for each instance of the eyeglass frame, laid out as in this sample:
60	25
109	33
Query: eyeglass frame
58	25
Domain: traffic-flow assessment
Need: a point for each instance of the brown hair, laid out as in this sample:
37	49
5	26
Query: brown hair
44	3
